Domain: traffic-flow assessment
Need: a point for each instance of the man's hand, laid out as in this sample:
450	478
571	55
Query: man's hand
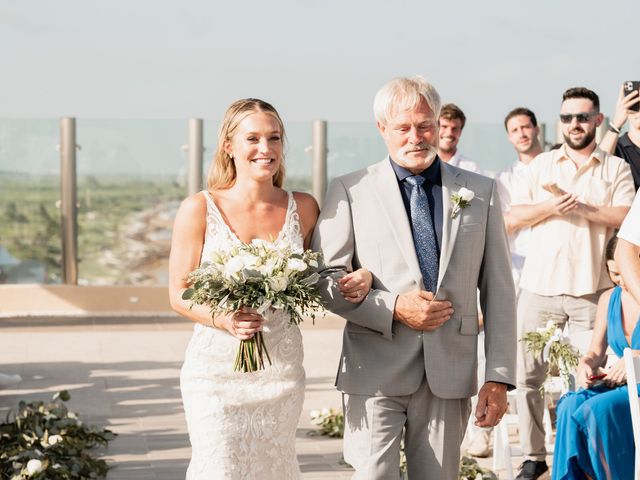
418	310
492	404
563	204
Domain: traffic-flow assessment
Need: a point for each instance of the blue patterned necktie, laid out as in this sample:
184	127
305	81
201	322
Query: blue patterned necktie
424	237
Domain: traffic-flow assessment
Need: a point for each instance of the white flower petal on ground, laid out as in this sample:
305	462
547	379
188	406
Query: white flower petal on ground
34	466
53	439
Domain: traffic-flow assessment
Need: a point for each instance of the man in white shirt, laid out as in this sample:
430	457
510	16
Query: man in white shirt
522	130
572	198
628	249
451	123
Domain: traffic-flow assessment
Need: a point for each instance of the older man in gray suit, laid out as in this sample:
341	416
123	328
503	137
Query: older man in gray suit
431	234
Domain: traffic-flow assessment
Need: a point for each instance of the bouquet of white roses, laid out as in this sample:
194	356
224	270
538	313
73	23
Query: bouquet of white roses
555	348
257	275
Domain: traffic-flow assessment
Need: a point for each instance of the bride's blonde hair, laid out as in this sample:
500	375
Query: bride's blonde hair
222	173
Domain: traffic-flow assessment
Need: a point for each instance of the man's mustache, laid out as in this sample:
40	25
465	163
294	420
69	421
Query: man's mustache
421	146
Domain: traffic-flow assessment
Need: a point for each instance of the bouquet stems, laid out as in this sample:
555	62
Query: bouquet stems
250	356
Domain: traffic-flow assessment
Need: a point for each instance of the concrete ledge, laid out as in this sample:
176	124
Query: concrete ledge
57	305
19	300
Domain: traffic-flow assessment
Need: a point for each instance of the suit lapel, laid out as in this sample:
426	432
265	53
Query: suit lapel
451	183
385	187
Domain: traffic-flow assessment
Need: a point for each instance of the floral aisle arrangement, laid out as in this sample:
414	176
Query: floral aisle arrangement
471	470
257	275
555	348
45	441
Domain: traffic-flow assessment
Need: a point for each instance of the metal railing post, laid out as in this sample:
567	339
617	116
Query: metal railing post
319	152
68	201
195	151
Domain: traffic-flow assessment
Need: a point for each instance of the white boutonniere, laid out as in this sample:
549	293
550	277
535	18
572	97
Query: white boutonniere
461	200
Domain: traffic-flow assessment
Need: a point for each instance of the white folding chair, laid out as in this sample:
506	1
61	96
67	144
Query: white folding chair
632	365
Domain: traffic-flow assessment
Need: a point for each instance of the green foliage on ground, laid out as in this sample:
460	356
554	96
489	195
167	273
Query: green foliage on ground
45	441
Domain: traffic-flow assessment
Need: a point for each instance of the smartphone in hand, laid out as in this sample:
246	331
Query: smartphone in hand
630	86
554	189
597	380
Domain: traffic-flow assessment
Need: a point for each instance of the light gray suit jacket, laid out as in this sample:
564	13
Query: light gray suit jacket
364	223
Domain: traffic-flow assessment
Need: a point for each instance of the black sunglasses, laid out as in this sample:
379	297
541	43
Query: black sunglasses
581	117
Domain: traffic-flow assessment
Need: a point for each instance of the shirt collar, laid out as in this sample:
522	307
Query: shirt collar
560	154
430	174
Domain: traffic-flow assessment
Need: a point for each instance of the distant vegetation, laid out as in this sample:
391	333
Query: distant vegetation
30	217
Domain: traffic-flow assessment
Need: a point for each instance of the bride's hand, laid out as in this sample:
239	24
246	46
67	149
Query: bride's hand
355	286
242	324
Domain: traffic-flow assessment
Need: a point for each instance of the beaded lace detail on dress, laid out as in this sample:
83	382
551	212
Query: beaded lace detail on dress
242	425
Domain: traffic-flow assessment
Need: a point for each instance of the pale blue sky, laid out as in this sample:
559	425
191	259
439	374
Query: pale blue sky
310	58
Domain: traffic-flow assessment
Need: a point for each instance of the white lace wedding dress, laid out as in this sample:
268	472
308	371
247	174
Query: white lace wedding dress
242	425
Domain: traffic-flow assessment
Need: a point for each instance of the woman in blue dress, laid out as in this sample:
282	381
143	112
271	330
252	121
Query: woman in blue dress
594	437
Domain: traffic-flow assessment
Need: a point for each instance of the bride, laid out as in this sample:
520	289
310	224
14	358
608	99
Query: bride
242	425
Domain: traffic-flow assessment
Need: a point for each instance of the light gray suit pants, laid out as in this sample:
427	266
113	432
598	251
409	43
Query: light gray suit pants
434	428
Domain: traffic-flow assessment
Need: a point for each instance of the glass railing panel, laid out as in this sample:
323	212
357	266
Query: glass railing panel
30	248
355	145
131	178
487	145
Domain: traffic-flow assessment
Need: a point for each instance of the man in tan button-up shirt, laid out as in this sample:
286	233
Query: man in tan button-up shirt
573	198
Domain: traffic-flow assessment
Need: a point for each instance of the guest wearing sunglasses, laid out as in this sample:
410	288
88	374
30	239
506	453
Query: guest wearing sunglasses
572	198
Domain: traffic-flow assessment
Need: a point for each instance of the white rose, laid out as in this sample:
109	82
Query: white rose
466	194
325	411
249	260
34	466
279	283
314	413
233	266
267	268
296	265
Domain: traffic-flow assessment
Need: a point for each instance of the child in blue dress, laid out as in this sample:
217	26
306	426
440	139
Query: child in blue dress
594	437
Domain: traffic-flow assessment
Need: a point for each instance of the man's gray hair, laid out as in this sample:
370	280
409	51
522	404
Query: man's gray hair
402	94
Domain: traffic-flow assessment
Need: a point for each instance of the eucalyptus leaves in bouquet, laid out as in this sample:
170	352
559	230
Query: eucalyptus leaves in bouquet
258	275
45	441
555	348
